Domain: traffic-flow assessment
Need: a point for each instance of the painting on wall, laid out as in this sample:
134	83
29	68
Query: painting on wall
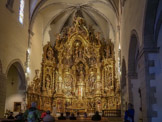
17	106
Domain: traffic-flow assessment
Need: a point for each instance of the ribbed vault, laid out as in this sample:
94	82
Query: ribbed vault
57	14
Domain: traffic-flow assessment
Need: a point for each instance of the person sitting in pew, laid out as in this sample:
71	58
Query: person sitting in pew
72	117
62	117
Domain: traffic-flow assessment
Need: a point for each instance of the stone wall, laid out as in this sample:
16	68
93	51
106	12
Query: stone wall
156	82
2	91
13	34
14	42
36	46
132	17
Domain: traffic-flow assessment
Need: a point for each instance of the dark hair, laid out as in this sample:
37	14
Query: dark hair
130	105
97	112
72	114
48	112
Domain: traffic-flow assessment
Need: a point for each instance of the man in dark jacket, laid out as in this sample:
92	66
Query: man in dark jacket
96	117
62	117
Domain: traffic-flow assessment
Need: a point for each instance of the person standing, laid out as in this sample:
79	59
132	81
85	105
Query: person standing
96	117
129	114
32	114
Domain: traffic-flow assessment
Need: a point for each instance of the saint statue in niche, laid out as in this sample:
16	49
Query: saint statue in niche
105	106
68	82
47	81
81	67
76	53
49	54
81	76
92	61
80	53
92	80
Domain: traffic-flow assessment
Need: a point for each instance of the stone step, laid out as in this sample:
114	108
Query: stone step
80	119
104	119
115	119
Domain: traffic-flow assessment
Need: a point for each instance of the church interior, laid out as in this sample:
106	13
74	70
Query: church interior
82	56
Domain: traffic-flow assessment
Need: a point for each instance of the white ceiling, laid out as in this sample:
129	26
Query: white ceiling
56	14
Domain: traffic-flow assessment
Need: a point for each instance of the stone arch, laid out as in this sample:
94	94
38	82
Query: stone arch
158	26
34	14
15	87
18	64
132	63
133	53
149	23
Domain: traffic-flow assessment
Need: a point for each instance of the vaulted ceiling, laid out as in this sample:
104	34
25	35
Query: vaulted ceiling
101	14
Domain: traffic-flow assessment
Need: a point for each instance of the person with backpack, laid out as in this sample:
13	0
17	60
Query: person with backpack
32	114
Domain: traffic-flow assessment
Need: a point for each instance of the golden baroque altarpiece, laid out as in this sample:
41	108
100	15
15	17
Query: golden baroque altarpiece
78	73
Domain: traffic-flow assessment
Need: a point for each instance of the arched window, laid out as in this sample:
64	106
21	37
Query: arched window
21	11
133	54
9	5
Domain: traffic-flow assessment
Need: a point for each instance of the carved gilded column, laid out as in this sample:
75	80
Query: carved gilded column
60	80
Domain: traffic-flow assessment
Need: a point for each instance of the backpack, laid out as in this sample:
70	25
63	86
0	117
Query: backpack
129	119
32	116
19	117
